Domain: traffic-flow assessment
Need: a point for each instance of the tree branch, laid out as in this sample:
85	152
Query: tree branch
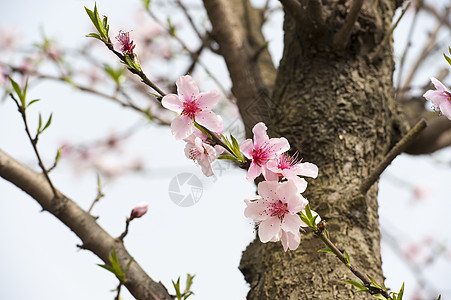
341	38
94	237
253	96
395	151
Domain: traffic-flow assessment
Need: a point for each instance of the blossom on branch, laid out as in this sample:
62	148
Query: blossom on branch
440	98
139	210
286	166
275	211
126	46
261	150
201	153
192	106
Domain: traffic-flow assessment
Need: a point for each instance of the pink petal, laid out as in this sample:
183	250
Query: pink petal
445	108
290	241
291	223
300	183
278	145
210	120
268	189
182	127
270	175
306	169
255	210
260	135
438	85
208	100
268	229
205	164
435	97
247	147
172	102
186	88
253	172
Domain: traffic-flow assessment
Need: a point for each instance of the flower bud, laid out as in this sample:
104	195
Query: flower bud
139	210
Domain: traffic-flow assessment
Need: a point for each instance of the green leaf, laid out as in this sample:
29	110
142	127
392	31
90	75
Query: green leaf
379	296
128	265
107	267
308	212
49	121
401	292
440	296
94	35
361	290
18	91
347	258
447	58
146	3
304	218
189	282
39	124
326	250
355	283
230	157
58	155
99	22
171	28
32	101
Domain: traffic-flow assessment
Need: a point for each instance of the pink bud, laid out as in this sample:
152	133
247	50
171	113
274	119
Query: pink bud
139	210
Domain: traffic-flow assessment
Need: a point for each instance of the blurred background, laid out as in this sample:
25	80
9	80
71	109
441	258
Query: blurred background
110	128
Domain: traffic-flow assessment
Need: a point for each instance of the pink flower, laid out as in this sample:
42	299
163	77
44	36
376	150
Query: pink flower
440	98
286	166
262	150
126	46
139	210
201	153
275	211
192	106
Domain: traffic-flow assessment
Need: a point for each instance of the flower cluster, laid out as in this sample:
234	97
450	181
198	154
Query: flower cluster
279	199
440	98
279	202
195	107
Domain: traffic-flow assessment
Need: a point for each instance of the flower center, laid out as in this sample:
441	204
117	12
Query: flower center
278	209
261	155
194	153
287	162
191	108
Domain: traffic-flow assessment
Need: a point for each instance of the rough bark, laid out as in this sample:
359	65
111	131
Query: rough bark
336	107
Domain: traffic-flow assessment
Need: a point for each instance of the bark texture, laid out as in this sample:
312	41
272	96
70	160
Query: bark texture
336	107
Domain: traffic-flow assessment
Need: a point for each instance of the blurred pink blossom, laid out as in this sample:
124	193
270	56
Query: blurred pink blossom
440	98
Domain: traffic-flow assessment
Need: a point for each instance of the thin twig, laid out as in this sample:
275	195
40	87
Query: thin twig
367	282
341	38
406	49
127	224
118	289
390	31
429	46
34	144
395	151
99	196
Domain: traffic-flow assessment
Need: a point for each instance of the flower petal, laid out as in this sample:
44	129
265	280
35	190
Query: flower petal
290	241
278	145
186	88
208	100
306	169
438	85
436	97
182	127
260	135
268	229
210	120
253	172
172	102
247	147
291	223
445	108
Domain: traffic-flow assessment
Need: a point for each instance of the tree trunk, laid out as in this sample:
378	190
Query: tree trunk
335	105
